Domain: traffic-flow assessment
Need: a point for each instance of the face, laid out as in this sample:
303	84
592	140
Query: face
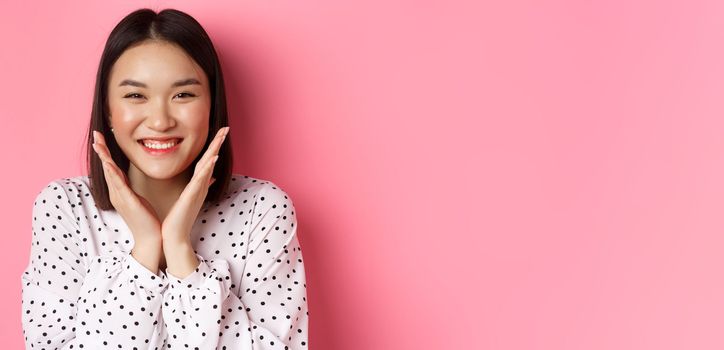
157	91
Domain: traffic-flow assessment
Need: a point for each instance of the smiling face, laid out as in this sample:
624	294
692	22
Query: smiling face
156	90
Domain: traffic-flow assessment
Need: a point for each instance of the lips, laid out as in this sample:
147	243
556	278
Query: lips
160	151
160	139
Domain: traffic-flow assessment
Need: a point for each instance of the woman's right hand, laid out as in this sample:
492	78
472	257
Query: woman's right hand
135	210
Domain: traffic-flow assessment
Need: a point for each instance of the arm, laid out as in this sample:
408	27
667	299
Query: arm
71	301
270	311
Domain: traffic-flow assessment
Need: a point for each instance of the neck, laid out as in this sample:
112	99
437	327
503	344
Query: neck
160	193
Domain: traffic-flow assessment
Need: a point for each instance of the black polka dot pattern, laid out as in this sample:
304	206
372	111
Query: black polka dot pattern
83	290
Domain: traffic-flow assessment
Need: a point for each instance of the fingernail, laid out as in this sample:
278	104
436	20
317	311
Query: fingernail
213	160
95	138
227	130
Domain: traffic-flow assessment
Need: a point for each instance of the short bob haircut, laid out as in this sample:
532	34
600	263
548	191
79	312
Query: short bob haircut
178	28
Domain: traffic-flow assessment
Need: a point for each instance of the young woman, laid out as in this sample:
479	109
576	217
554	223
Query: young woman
161	246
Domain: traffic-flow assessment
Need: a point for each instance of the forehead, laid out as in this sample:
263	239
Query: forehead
156	63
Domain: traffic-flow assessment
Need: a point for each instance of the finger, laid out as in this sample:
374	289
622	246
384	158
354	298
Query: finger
115	177
105	154
111	175
215	145
98	148
99	138
106	159
102	149
118	177
204	175
199	184
118	184
208	170
110	182
102	153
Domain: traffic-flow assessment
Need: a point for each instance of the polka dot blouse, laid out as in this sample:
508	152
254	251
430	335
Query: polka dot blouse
83	290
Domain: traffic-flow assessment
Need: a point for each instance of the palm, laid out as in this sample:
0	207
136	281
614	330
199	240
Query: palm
149	208
177	224
141	216
183	213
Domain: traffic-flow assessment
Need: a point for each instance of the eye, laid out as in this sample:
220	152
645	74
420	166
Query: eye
186	93
132	94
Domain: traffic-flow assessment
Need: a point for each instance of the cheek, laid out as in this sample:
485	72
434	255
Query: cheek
195	120
123	114
194	115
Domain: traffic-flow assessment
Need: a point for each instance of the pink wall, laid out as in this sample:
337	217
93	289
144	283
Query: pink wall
468	175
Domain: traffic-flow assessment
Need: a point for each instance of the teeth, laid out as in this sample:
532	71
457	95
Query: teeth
159	145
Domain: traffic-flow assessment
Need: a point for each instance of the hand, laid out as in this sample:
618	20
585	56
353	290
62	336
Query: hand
135	210
176	227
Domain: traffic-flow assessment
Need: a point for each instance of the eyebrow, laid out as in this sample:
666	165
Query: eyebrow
182	82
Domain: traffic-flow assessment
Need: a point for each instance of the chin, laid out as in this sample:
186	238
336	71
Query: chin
158	172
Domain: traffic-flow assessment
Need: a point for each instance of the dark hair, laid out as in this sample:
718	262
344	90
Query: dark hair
178	28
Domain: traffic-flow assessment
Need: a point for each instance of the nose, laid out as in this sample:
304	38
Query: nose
158	118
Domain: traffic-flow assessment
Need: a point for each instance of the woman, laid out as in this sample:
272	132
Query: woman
161	245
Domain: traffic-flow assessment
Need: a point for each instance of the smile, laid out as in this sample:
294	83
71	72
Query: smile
160	148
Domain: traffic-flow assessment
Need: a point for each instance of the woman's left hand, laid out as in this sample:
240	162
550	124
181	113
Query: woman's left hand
176	227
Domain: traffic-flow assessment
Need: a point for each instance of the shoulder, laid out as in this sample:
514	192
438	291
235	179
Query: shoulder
67	192
269	209
262	193
56	209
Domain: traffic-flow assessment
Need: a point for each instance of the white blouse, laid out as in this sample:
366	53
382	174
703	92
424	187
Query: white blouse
83	290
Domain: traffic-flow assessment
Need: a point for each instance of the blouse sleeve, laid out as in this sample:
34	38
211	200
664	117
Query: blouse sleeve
71	301
270	310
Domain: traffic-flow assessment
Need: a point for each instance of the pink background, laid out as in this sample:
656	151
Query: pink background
468	174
